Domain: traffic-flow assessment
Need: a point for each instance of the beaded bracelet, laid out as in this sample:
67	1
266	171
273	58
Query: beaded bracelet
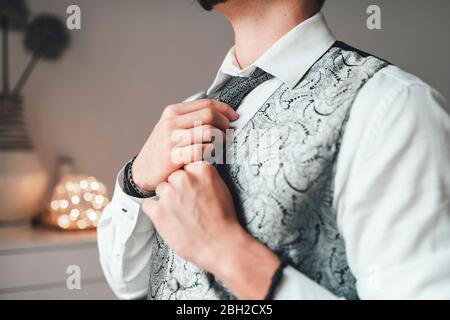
130	186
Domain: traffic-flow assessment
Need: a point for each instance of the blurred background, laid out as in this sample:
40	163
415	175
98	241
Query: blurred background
131	58
99	102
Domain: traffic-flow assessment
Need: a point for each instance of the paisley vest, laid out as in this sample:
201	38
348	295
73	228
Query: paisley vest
281	179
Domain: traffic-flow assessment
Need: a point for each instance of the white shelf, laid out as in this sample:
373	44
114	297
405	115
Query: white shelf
34	262
16	238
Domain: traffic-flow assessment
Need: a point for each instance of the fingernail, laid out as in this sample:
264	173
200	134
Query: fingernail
235	115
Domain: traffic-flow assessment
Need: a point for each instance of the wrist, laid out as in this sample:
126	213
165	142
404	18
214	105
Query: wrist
141	183
247	267
139	179
130	186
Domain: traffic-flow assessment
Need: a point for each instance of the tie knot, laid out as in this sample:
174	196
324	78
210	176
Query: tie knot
237	88
259	75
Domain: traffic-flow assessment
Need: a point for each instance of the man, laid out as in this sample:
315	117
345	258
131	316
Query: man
344	192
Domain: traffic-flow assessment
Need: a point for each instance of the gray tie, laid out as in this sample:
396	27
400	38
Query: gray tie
237	88
232	93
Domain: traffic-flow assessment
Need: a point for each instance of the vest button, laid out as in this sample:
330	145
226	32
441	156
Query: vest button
173	284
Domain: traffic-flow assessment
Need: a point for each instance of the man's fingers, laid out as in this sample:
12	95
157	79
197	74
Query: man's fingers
200	169
179	179
163	189
203	117
198	135
192	106
192	153
152	208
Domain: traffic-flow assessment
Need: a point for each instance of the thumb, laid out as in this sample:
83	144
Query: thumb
151	208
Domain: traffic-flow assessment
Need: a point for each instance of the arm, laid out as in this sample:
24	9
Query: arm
195	216
125	234
394	218
124	238
394	212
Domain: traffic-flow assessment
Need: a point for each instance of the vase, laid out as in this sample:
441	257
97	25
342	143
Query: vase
23	179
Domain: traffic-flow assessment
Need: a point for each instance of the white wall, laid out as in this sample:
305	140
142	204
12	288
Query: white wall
131	58
134	57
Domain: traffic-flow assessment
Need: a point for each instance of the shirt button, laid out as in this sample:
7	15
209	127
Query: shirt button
173	284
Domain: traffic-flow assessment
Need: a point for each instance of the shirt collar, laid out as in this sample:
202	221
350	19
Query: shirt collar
289	58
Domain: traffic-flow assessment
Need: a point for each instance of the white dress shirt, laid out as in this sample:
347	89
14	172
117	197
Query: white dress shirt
391	192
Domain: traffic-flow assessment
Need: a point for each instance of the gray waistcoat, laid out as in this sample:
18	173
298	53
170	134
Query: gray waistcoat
284	198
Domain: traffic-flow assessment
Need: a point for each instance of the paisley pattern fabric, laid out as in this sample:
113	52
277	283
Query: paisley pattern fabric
281	179
235	90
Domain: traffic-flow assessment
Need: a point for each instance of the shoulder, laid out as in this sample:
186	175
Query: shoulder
397	94
391	82
399	79
398	107
395	116
387	80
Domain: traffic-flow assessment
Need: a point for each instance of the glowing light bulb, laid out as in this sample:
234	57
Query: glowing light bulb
64	204
75	199
84	184
82	224
95	185
92	215
63	221
77	203
99	199
74	214
54	205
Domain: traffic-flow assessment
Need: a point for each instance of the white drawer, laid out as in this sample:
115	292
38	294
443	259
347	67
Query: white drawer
34	262
25	268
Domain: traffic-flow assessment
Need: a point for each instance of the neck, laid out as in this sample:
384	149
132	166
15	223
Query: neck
259	24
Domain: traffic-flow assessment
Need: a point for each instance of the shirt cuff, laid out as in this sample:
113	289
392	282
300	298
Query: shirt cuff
129	217
296	286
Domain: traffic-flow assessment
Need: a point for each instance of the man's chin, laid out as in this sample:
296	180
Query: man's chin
209	4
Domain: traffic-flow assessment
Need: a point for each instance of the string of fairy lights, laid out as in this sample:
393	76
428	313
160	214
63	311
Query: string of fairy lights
77	203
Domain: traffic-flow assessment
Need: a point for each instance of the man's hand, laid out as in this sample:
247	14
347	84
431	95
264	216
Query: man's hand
196	218
175	136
